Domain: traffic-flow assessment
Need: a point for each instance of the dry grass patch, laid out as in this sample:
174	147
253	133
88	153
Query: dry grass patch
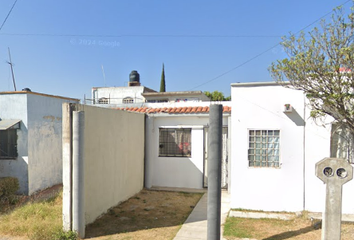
272	229
147	215
35	220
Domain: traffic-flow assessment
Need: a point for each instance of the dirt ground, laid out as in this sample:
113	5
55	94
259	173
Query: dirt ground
147	215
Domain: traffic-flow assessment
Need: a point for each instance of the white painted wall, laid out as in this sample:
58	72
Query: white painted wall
45	139
113	158
294	186
117	94
176	172
269	189
38	165
14	106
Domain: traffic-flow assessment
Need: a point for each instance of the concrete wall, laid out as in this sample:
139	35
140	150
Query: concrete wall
14	106
179	172
44	145
293	186
113	159
38	165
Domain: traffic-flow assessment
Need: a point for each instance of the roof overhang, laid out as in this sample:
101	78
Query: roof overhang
9	124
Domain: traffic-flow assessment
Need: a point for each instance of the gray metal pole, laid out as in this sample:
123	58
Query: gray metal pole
78	174
214	172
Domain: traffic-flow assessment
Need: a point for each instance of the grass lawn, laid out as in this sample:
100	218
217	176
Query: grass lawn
147	215
299	228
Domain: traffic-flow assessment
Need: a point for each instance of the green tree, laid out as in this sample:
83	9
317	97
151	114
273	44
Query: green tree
216	96
320	64
163	83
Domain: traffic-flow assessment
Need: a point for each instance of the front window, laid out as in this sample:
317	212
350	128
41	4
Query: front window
263	148
8	144
175	142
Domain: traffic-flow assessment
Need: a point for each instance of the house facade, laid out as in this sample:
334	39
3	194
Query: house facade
30	139
274	148
176	149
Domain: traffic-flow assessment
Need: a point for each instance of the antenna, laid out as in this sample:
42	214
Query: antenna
104	75
12	70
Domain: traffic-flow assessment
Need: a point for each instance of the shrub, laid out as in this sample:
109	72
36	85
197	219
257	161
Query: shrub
62	235
8	187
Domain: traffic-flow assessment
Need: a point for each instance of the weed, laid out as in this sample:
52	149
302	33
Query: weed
62	235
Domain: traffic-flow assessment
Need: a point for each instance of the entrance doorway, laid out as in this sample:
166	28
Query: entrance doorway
224	158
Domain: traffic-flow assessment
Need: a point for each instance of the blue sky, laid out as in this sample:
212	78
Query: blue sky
59	47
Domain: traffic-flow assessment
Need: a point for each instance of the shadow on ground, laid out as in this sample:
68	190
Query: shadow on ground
146	210
290	234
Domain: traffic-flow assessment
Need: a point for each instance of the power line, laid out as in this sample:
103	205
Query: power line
265	51
3	23
139	35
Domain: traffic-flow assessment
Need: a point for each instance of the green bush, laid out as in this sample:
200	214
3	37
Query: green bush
8	187
62	235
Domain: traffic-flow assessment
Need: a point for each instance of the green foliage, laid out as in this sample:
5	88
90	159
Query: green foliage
163	83
216	96
320	63
62	235
8	187
234	227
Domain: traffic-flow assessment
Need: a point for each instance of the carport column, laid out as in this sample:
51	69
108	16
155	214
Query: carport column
78	174
214	172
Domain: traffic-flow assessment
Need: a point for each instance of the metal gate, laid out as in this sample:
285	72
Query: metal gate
224	158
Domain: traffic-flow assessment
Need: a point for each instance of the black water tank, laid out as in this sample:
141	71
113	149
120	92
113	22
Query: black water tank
134	76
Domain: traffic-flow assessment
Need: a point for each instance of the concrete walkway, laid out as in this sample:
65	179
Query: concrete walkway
195	227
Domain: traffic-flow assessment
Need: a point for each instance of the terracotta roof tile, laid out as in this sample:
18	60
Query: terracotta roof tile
172	110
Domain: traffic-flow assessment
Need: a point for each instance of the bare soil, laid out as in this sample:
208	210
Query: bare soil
147	215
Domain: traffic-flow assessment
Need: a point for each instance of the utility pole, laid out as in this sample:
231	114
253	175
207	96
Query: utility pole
12	69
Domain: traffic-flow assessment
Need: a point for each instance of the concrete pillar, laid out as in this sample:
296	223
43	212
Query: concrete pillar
334	173
214	172
78	208
67	165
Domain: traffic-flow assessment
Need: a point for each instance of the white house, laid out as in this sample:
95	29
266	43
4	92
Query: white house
30	138
121	95
176	143
274	148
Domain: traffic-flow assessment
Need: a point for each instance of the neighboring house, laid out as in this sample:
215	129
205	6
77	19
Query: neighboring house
31	139
137	94
274	148
121	95
176	143
182	96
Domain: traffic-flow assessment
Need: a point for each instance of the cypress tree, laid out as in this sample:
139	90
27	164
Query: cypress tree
163	84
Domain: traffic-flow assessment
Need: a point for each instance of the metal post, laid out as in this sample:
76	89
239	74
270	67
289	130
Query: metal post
214	172
78	174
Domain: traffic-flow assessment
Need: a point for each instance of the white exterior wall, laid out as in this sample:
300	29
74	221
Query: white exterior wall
294	186
269	189
318	147
45	139
38	165
115	95
113	158
14	106
176	172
